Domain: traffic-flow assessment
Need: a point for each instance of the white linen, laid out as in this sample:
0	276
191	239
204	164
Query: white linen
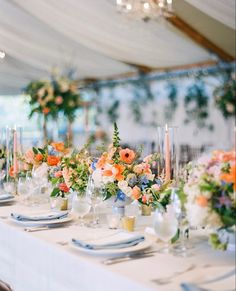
223	11
35	261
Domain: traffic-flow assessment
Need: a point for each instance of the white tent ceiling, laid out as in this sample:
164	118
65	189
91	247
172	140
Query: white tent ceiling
92	38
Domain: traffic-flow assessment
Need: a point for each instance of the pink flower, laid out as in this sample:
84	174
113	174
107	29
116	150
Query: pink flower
66	173
156	187
59	100
29	156
144	199
148	159
58	174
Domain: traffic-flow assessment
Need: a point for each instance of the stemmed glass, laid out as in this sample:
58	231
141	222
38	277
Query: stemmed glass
80	205
165	226
94	194
2	176
183	225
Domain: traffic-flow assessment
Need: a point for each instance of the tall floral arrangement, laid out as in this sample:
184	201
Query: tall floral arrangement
210	190
126	177
48	98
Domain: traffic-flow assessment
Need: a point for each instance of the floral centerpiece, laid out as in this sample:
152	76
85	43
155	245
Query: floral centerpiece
72	173
126	178
48	98
210	190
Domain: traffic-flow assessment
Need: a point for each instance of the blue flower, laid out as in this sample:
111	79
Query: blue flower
52	151
144	180
120	196
94	163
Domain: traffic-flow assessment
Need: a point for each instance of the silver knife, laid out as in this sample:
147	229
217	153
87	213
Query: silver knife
127	257
39	228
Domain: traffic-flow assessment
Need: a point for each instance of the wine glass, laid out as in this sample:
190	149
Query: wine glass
165	226
180	249
94	194
2	176
80	205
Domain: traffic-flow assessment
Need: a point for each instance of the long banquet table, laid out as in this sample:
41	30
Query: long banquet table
40	261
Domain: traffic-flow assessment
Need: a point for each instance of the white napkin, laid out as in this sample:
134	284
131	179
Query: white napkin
117	241
5	196
43	217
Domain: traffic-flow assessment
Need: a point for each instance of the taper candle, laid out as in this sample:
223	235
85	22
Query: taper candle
15	165
167	154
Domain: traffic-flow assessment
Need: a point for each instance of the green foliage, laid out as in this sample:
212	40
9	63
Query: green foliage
225	95
116	138
215	242
196	104
173	103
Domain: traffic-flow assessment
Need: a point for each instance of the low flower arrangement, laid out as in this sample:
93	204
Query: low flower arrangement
126	178
72	173
210	190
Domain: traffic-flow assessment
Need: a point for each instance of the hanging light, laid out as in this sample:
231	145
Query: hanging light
2	54
145	9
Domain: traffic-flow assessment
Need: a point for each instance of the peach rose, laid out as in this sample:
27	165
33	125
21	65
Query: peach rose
136	192
63	187
127	155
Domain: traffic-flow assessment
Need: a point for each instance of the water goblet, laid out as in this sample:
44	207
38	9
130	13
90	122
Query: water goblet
80	206
165	226
94	194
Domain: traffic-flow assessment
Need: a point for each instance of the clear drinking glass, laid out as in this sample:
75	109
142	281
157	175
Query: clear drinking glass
165	226
180	248
80	206
94	194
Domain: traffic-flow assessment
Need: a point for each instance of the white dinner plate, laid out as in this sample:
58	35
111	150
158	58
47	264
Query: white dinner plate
44	222
8	200
113	252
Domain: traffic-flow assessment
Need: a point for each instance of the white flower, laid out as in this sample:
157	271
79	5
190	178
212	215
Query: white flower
150	177
41	172
122	184
197	215
97	177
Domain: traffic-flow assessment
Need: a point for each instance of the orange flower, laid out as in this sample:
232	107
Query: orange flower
202	201
46	110
58	146
115	171
136	192
53	160
11	172
38	157
230	177
127	155
103	160
224	156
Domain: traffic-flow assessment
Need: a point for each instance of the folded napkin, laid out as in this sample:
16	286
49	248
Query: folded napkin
54	216
118	241
5	196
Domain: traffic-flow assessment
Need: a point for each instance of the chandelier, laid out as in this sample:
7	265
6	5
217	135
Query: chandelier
145	9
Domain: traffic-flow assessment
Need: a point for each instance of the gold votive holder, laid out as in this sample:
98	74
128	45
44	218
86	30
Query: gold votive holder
128	223
146	210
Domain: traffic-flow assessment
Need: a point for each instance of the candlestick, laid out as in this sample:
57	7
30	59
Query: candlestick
167	154
15	165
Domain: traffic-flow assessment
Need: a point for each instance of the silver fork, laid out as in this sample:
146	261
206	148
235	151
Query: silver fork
167	280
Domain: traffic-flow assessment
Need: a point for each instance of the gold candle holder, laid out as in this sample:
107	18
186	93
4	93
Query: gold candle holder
128	223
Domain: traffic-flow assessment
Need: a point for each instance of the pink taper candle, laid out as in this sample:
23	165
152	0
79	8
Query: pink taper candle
167	154
15	165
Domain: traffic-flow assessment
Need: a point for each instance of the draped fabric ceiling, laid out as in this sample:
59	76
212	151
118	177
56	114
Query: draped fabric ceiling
97	42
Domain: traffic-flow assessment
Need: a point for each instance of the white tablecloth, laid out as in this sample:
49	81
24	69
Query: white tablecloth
36	262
